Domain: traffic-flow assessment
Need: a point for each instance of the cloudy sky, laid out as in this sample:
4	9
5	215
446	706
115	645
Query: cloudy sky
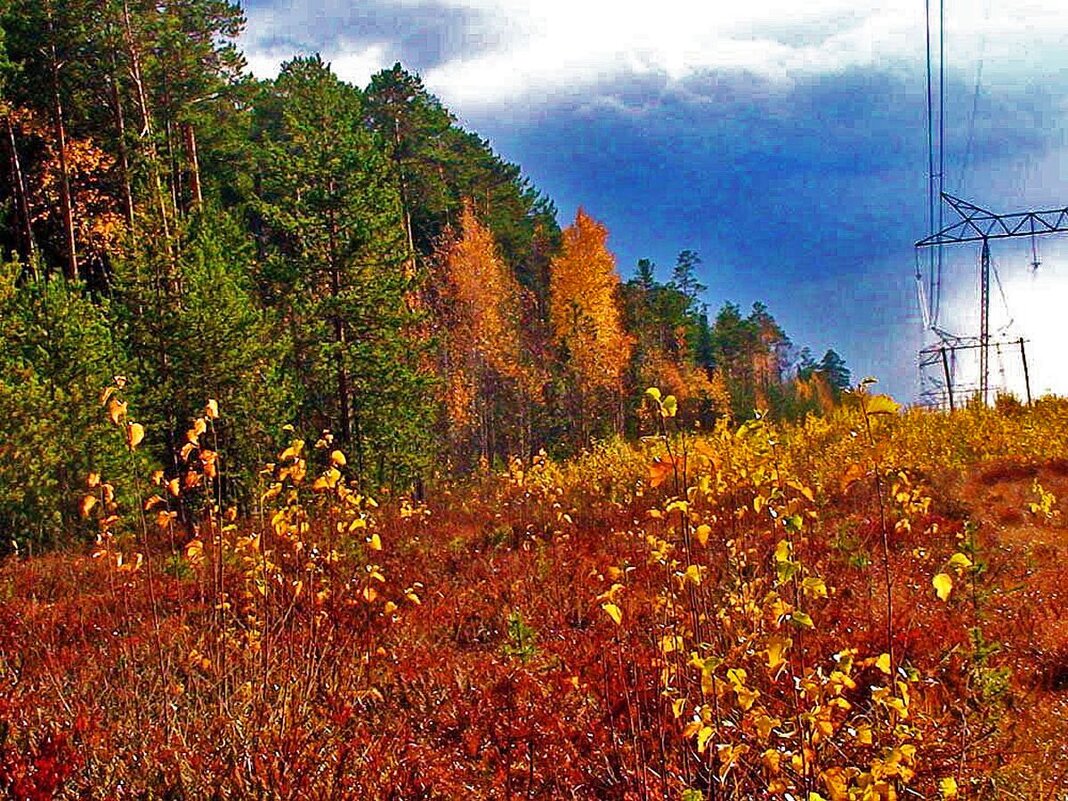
787	145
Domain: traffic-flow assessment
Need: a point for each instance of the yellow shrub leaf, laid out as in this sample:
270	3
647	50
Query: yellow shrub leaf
703	532
337	458
881	404
116	411
677	706
135	432
943	585
777	647
960	561
375	543
883	663
87	504
613	612
671	642
659	471
211	409
947	787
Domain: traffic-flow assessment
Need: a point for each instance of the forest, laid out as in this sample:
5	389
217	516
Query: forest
333	466
319	255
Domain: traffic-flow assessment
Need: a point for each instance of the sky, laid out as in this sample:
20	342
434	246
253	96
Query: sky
787	145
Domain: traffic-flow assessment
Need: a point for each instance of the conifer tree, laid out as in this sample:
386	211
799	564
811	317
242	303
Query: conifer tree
332	233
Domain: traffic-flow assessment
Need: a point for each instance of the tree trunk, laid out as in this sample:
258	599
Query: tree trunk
22	207
120	130
339	332
190	136
60	133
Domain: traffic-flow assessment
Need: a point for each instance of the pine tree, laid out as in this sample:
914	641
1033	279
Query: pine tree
57	353
332	233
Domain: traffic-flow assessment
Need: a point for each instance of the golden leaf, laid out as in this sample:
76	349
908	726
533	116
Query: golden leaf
337	458
881	404
659	471
883	663
613	612
211	409
947	787
943	585
135	433
87	504
116	411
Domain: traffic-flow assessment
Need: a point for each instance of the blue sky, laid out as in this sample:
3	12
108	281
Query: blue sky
787	146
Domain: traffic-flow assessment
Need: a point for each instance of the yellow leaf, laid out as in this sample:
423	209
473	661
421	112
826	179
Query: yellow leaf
814	587
677	707
211	409
703	736
92	480
777	647
703	532
881	404
669	643
948	787
135	432
88	502
764	724
116	411
960	561
693	573
613	612
883	663
853	473
943	585
659	471
337	458
782	551
293	451
375	543
389	608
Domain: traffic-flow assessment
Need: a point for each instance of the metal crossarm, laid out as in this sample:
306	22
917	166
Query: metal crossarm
977	224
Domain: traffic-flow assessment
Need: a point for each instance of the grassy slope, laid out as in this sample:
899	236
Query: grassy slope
508	678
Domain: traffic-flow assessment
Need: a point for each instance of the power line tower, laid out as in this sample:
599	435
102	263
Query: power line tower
972	224
976	224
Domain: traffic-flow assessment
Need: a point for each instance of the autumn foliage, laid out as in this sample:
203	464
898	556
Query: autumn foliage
762	610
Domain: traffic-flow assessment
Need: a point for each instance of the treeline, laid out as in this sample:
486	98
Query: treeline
309	254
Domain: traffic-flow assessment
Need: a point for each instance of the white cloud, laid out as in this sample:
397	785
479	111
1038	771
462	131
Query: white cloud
532	50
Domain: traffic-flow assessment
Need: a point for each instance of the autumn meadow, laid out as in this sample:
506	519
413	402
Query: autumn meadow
332	466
